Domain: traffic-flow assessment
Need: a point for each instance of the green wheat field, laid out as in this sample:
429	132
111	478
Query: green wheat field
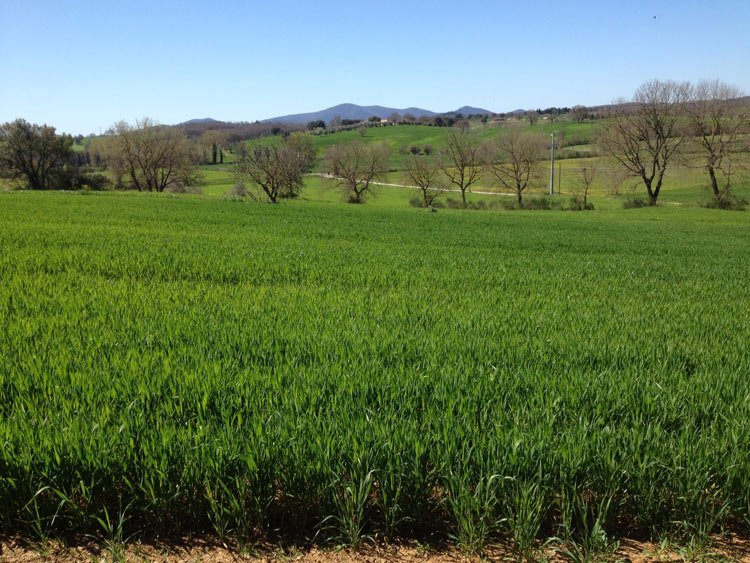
190	364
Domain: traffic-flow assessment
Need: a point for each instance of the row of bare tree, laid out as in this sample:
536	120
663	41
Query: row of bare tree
150	157
704	124
511	158
276	169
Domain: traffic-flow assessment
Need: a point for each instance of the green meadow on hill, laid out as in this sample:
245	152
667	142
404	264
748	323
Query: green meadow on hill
686	182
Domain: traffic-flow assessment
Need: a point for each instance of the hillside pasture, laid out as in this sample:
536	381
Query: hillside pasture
685	181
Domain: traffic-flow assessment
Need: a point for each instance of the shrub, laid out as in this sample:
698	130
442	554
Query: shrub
578	204
509	203
94	182
634	203
418	202
573	153
728	202
238	191
540	203
479	205
458	204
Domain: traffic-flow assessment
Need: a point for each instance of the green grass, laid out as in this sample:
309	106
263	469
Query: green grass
682	186
190	364
395	137
216	180
400	136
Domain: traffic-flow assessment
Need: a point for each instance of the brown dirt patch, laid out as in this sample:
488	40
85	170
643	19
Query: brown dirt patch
730	548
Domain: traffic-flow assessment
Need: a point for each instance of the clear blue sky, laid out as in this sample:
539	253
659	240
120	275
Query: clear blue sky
82	65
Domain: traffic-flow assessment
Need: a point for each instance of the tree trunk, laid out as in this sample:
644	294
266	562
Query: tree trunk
657	189
652	194
519	195
213	153
463	196
714	182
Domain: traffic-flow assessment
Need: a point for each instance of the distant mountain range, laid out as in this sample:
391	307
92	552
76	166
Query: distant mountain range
353	111
204	120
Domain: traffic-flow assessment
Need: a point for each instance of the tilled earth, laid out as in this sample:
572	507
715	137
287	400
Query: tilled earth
730	548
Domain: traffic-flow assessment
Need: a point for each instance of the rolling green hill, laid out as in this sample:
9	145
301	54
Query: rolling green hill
685	181
396	137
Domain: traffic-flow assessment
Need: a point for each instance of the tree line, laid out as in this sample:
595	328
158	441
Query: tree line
276	170
704	125
145	155
667	120
337	123
663	122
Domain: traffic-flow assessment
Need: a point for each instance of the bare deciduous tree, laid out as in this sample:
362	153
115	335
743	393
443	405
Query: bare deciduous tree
151	156
514	157
578	113
278	170
716	122
425	172
586	176
462	160
644	136
356	165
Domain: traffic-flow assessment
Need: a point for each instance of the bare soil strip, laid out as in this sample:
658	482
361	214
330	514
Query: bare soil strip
729	548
